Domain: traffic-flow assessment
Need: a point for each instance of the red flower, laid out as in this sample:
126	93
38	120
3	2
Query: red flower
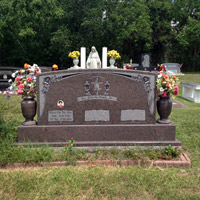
168	85
176	147
164	94
175	90
72	138
65	144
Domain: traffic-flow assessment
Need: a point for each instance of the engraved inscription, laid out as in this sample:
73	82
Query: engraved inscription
97	115
96	97
60	115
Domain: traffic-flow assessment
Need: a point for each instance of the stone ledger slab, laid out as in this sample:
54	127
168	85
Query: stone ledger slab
104	135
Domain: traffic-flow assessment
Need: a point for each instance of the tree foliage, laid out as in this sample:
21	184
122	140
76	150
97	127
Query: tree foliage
45	31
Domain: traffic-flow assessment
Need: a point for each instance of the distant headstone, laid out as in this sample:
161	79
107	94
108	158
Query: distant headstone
98	107
145	61
173	67
5	75
191	91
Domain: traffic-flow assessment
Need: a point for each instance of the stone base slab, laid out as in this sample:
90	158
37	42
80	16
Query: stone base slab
100	135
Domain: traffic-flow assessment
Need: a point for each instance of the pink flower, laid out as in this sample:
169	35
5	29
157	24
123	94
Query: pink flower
175	90
18	78
176	147
32	90
29	79
20	91
65	144
72	138
168	85
164	94
21	86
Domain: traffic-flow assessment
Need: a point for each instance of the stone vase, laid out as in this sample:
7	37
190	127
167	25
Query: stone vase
164	108
28	106
112	62
75	61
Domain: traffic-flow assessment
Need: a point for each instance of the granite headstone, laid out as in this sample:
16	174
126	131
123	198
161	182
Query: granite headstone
98	107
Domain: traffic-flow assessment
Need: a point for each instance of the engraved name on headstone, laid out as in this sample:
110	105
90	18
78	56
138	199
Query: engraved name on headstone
60	115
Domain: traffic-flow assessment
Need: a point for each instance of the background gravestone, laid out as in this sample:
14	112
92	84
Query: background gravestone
145	61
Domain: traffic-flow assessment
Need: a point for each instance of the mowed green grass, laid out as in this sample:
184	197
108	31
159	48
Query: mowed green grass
103	182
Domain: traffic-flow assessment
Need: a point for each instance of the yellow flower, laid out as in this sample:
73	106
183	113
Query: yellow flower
55	67
113	54
74	54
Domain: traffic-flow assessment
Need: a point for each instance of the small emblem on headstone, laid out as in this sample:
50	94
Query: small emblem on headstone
97	88
60	104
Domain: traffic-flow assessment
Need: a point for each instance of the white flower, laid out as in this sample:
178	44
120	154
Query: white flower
35	66
0	92
160	75
161	89
13	75
10	80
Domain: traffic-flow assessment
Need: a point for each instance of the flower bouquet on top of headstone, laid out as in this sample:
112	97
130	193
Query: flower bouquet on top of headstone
129	66
113	54
167	82
74	54
25	81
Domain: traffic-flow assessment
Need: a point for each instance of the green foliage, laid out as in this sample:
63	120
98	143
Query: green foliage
130	154
45	31
172	151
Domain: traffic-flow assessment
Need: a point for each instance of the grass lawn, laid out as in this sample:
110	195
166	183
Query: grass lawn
100	182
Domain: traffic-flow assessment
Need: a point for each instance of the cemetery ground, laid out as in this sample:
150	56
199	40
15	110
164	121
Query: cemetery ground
99	182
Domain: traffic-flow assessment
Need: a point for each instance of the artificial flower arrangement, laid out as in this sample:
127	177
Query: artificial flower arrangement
128	66
167	83
113	54
25	81
54	67
74	54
